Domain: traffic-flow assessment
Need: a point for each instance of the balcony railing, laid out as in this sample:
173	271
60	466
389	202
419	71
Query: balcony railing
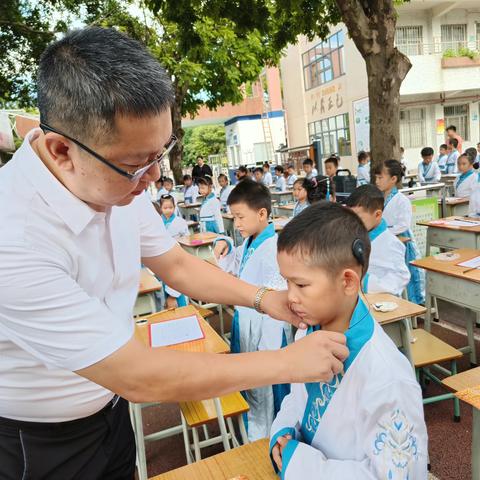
452	48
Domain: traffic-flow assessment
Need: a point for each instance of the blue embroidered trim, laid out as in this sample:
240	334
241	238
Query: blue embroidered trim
378	230
168	221
273	441
463	177
287	455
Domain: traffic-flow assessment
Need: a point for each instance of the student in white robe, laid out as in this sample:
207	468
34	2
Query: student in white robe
267	175
255	261
453	155
168	187
177	227
225	190
398	215
387	270
442	157
363	172
160	188
368	422
466	182
307	192
190	191
428	170
258	175
292	178
280	182
211	219
309	169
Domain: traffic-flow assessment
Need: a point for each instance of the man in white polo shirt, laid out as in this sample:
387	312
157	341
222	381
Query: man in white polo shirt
75	224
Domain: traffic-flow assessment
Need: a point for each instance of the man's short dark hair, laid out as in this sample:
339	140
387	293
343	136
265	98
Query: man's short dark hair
90	76
368	196
255	195
199	156
323	236
453	142
427	151
451	127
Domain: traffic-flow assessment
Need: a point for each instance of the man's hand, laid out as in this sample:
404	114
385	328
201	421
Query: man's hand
276	305
277	450
316	357
221	249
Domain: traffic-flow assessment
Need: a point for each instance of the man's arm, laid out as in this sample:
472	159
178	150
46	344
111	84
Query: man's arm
142	374
198	279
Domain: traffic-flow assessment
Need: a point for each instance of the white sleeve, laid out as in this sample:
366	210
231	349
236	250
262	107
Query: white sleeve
395	442
230	263
438	173
474	204
45	312
194	193
421	178
403	216
218	216
154	238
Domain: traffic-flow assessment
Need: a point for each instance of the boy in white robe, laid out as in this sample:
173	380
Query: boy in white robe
280	182
211	219
387	270
255	261
267	175
466	182
428	170
367	423
309	169
363	172
225	190
190	191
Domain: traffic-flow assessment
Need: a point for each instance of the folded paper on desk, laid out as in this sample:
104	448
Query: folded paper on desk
461	223
173	332
472	263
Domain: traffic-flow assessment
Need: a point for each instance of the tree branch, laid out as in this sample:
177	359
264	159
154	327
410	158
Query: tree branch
357	23
26	28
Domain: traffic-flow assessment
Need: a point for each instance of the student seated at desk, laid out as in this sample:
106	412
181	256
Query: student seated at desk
255	261
267	175
467	181
442	158
291	177
258	175
280	182
331	166
363	172
368	422
159	185
398	215
428	170
225	190
211	219
177	227
453	155
387	270
309	169
190	191
308	192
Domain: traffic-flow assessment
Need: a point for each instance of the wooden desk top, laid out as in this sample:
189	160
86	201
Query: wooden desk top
461	381
212	343
286	192
405	308
475	228
148	282
252	461
289	206
189	205
280	222
456	200
451	268
191	240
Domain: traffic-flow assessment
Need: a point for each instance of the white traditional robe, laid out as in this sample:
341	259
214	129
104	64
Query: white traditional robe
312	174
451	165
387	270
190	194
280	184
366	424
267	179
429	173
211	219
442	163
223	196
291	180
466	183
363	174
256	263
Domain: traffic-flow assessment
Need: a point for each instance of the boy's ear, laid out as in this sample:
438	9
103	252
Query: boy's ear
378	214
351	282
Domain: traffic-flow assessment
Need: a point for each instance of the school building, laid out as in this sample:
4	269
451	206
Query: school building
325	83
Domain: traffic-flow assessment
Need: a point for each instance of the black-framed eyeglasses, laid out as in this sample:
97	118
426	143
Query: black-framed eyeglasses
132	176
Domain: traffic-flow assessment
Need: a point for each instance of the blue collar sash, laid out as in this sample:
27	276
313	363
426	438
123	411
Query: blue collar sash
168	221
253	243
391	195
378	230
463	177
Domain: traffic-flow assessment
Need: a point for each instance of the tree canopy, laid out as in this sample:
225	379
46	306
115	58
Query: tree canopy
203	140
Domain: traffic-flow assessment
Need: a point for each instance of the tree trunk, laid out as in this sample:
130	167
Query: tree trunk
385	75
176	155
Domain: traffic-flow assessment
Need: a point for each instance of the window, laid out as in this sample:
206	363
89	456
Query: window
457	115
453	36
412	128
324	62
409	40
334	133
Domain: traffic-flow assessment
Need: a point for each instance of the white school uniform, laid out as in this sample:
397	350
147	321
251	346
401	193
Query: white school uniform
366	424
211	219
429	173
223	196
387	270
256	263
291	180
312	174
363	174
442	163
452	161
474	203
466	183
162	191
267	179
300	207
280	184
190	194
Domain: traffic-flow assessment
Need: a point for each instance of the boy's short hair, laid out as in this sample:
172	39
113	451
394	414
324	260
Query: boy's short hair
255	195
454	142
222	175
187	177
326	235
368	196
444	146
362	155
206	180
308	161
451	127
333	160
258	169
279	168
427	151
167	180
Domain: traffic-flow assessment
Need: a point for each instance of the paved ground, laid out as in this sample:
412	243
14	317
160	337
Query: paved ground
449	442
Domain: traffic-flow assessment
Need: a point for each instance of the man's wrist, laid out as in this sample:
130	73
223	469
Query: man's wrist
259	296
